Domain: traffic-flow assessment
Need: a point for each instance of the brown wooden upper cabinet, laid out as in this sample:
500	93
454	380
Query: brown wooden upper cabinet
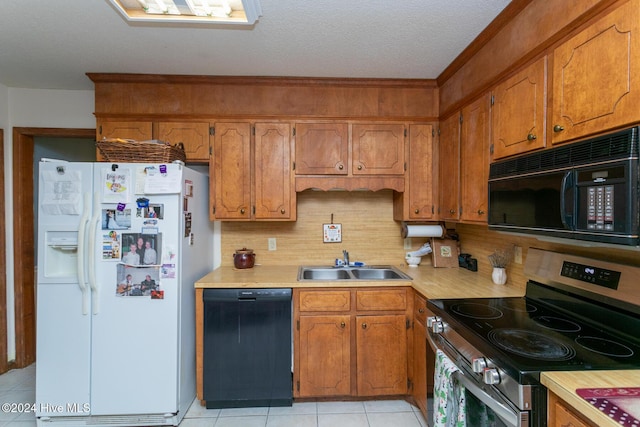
230	171
140	131
193	135
596	76
374	148
252	174
378	149
518	112
275	197
322	148
416	202
449	169
474	160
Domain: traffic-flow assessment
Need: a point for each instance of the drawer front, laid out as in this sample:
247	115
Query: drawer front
420	308
381	300
325	300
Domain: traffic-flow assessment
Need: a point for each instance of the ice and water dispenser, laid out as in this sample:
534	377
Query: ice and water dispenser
60	254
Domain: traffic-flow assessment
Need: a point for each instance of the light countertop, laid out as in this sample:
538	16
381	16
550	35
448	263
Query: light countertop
564	385
430	282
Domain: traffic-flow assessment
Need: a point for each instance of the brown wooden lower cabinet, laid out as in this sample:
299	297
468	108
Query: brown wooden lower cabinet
421	371
381	350
351	342
560	414
325	356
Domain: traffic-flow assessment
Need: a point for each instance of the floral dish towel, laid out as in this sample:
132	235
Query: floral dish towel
448	394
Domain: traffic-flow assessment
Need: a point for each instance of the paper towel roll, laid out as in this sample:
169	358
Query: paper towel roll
422	231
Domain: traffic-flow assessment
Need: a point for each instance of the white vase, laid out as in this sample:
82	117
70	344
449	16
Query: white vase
499	275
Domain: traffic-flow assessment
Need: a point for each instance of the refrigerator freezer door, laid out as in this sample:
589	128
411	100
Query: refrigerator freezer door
63	323
63	361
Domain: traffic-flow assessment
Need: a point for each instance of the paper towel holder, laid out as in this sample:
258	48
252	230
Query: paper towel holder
435	230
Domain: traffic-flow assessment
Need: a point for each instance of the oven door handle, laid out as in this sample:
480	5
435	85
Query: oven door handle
505	413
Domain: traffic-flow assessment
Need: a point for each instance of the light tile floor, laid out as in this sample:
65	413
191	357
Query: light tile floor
18	386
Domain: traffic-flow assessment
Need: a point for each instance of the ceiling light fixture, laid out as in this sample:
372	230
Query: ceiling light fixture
236	12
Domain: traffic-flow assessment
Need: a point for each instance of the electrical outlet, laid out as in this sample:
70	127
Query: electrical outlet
272	243
517	254
407	242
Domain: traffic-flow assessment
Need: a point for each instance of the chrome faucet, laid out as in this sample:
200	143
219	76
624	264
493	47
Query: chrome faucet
346	257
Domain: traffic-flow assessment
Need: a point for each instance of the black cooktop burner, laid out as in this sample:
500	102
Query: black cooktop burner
517	304
557	324
605	346
476	311
531	344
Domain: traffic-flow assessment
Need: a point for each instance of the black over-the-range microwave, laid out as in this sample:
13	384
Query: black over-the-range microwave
586	190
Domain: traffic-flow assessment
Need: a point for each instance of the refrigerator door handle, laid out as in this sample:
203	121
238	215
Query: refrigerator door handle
82	231
93	227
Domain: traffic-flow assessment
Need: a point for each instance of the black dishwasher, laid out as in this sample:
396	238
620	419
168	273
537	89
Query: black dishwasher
247	348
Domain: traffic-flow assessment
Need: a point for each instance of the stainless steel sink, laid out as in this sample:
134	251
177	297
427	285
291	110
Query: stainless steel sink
324	274
367	273
377	274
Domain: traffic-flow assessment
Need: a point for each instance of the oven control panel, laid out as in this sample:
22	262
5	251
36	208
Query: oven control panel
594	275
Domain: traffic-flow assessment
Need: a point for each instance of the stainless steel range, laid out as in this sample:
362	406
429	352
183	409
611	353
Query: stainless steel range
577	314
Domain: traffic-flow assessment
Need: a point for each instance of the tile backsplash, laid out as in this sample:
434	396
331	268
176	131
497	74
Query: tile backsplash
369	232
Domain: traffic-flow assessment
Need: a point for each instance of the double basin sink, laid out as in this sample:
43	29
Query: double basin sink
367	273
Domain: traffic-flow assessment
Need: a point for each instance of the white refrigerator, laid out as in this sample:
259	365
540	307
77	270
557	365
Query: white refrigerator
119	249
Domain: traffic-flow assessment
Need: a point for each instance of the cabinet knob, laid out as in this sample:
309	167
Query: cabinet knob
531	137
282	211
242	211
364	326
340	166
480	212
343	325
558	128
421	310
416	211
452	211
359	167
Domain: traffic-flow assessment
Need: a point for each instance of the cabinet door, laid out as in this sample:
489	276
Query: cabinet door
449	169
378	149
420	366
474	160
561	414
231	171
381	355
421	375
140	131
325	356
274	188
518	112
596	76
416	202
193	135
321	148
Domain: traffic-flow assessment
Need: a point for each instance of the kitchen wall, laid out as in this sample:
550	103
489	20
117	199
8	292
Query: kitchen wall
4	107
33	108
480	242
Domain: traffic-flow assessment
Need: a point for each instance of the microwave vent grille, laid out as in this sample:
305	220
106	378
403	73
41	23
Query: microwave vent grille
614	146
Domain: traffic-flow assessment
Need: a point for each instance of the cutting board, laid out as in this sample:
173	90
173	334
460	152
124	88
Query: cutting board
620	404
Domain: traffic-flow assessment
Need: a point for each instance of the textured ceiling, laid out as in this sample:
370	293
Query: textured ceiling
51	44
